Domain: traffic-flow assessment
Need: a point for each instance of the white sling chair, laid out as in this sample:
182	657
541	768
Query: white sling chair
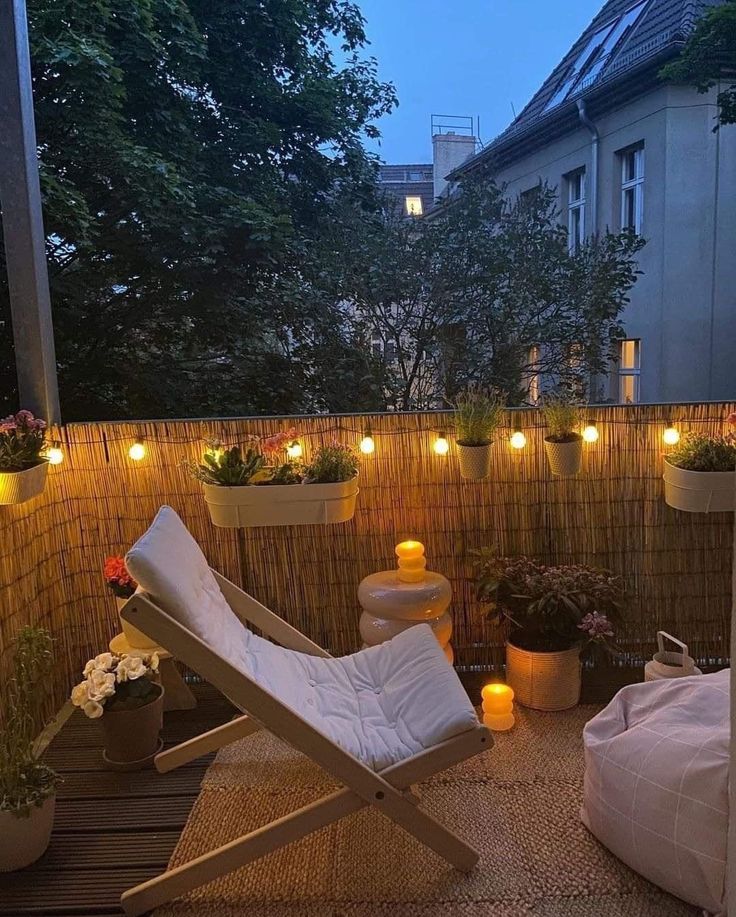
378	721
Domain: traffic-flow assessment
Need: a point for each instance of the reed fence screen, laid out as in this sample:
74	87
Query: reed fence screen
677	566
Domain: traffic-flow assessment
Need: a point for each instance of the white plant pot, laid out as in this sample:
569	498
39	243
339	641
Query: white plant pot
475	461
24	840
699	491
136	638
281	504
565	459
19	486
544	681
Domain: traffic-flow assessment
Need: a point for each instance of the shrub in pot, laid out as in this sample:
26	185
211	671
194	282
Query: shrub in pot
122	585
700	473
124	693
27	787
477	417
23	467
556	615
563	444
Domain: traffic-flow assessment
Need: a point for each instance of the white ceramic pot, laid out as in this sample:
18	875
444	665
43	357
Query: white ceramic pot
565	459
23	840
475	461
544	681
699	491
281	504
19	486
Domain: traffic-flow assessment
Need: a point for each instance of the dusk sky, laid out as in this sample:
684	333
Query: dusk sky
464	57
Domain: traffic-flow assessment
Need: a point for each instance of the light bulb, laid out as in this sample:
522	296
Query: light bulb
518	440
294	449
441	446
54	455
367	445
137	451
671	436
590	433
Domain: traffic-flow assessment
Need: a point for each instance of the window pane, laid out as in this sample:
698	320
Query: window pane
414	206
630	354
628	391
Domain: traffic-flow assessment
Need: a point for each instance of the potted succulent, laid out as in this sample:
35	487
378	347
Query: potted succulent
27	787
477	417
122	585
700	473
556	615
124	692
23	467
256	487
563	444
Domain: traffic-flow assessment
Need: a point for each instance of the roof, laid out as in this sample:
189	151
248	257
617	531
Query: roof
625	37
409	180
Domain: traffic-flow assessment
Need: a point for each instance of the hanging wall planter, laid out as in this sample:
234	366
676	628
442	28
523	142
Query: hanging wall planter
475	461
565	458
20	486
699	491
478	415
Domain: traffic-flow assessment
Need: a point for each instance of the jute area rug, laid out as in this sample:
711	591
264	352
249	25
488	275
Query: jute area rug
517	803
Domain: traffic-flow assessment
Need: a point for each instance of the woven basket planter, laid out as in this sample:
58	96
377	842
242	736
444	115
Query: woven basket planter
475	461
544	681
699	491
19	486
565	459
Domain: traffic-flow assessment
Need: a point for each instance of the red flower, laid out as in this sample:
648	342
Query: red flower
117	576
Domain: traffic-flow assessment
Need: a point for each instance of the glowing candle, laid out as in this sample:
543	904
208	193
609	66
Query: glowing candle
411	561
498	707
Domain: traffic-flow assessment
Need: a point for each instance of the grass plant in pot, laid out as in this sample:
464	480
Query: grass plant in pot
27	787
556	616
23	467
477	417
122	585
700	473
563	443
124	692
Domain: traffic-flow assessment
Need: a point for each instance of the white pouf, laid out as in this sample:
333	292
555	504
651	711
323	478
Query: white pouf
656	784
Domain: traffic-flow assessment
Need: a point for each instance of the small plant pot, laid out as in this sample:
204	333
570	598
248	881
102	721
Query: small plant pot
475	461
544	681
281	504
564	459
20	486
136	638
24	839
131	737
699	491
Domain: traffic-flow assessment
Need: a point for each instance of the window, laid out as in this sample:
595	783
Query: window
629	371
414	206
632	188
575	209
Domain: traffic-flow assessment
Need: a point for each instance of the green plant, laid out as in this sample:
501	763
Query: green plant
477	416
22	439
563	419
330	464
24	781
701	452
227	467
548	608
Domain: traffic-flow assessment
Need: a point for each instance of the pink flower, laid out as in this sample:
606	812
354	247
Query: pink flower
596	625
731	419
272	445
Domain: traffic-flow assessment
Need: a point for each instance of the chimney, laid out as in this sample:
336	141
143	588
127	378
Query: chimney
448	152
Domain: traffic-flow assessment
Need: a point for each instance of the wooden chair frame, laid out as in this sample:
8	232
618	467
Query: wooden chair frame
389	790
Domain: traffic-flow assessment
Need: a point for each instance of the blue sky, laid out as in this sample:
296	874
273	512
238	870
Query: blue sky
464	57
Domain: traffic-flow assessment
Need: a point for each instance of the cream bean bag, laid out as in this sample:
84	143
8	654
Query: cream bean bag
656	784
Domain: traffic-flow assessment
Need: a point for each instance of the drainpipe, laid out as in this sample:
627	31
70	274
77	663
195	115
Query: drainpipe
594	138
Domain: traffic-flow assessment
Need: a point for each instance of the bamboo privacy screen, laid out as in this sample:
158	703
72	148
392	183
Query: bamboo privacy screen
676	565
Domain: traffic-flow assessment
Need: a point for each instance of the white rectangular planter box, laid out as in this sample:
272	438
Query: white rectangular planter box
19	486
281	504
699	491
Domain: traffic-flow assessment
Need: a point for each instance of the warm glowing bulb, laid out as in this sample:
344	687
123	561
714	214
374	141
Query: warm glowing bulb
441	446
367	445
54	455
518	440
137	451
671	436
294	449
590	433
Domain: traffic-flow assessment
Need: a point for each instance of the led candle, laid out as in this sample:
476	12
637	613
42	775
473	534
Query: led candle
498	707
411	561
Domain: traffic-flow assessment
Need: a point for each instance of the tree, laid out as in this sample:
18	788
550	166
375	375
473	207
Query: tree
709	57
189	150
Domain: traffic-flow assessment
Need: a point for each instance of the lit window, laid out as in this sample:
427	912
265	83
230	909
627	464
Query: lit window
632	188
414	206
575	209
629	371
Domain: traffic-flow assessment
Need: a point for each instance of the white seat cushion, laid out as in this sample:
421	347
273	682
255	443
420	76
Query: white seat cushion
383	704
656	783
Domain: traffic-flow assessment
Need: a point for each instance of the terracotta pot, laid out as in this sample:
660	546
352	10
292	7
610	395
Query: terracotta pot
132	736
699	491
475	461
19	486
136	638
24	839
544	681
564	458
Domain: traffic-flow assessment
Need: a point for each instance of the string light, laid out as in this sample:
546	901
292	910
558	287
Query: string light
441	446
590	433
517	440
54	455
137	451
671	436
294	449
367	444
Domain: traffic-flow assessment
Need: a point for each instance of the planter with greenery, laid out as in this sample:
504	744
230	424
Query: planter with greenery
556	615
477	417
124	691
257	488
27	787
700	473
23	468
563	444
122	585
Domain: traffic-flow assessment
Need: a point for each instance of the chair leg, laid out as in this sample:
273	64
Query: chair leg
203	744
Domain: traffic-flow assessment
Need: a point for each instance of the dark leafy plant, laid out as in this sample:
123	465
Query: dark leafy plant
22	440
701	452
330	464
227	467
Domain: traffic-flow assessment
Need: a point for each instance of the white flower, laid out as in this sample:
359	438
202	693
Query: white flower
103	661
80	694
93	709
131	667
153	662
101	684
